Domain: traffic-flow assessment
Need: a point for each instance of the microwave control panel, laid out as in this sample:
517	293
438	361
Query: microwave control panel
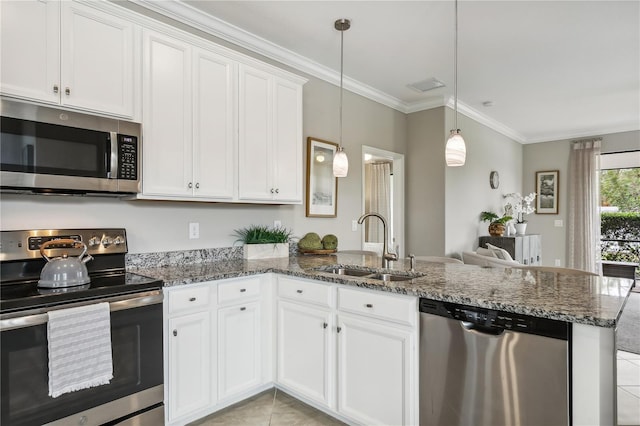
127	157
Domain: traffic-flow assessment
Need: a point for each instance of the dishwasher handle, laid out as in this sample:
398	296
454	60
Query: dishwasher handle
479	330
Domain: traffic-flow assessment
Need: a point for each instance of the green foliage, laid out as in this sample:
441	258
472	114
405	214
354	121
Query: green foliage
260	234
624	227
491	217
621	188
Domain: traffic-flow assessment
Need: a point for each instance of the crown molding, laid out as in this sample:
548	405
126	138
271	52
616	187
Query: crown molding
630	126
193	17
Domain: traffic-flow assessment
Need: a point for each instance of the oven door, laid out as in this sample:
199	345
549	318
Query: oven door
136	334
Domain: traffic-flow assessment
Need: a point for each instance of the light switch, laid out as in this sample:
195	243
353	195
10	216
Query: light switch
194	230
558	223
354	225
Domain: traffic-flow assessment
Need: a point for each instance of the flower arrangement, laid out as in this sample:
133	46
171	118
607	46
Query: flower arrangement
519	205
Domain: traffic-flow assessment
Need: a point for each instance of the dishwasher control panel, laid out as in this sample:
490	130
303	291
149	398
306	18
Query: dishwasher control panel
495	320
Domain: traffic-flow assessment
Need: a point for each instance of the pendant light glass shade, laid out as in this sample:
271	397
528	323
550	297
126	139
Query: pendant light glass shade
340	163
340	160
456	151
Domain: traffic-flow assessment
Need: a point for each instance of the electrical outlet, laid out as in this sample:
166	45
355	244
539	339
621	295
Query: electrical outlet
354	225
194	230
277	223
557	262
558	223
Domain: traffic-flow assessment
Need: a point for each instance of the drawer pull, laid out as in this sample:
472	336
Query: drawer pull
192	299
325	325
67	91
299	291
339	329
368	305
242	290
243	309
175	332
55	88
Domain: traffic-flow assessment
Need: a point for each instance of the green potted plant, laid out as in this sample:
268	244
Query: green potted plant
496	223
262	242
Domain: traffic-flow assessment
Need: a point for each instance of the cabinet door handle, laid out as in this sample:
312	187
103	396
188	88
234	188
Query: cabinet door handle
299	291
190	185
277	191
175	332
243	309
56	89
242	290
67	91
368	305
338	329
192	299
197	185
325	325
272	190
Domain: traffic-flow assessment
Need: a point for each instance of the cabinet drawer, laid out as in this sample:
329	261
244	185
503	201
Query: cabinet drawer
379	305
237	291
188	299
304	291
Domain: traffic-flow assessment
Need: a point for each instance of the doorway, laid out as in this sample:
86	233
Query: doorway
383	193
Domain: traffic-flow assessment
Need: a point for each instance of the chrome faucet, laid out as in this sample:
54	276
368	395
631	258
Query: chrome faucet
387	256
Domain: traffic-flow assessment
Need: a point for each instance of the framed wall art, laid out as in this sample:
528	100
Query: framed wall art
547	187
322	186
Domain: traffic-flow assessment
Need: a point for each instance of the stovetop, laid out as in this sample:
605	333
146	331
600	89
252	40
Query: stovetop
22	263
24	295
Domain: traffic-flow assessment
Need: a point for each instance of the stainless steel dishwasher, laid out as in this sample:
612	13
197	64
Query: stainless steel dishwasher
487	367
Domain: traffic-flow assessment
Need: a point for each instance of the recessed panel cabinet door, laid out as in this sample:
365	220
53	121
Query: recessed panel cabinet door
189	364
30	37
97	60
374	372
167	162
304	342
213	125
255	135
239	349
287	141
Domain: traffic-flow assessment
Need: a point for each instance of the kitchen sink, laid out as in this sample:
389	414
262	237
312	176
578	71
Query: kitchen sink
369	274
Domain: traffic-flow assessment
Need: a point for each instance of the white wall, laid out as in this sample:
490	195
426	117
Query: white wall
555	156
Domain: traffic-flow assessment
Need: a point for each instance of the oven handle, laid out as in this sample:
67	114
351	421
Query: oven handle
119	305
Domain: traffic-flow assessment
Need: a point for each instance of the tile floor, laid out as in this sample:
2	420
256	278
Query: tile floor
628	388
265	410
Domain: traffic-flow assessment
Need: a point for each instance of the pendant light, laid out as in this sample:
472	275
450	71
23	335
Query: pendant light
455	151
340	160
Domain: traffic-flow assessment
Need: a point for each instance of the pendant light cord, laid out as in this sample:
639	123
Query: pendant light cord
341	77
455	70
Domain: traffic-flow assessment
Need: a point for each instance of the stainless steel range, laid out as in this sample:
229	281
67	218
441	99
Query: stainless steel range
134	395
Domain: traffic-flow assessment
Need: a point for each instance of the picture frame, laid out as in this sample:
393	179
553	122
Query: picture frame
322	185
547	188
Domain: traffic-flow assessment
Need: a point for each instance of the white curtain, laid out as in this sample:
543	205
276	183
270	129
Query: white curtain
584	206
377	199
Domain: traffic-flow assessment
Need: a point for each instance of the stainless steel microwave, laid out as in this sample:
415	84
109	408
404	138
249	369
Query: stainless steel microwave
48	150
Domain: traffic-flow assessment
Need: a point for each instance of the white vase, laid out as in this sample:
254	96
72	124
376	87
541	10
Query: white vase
521	228
511	229
265	251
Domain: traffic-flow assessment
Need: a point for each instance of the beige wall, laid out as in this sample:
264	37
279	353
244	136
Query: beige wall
160	226
555	156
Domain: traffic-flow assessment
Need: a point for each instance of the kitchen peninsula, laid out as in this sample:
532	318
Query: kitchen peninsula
591	304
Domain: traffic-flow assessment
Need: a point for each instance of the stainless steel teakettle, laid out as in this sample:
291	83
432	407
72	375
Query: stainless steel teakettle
64	271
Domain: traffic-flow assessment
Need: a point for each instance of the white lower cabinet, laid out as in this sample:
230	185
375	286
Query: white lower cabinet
215	333
352	352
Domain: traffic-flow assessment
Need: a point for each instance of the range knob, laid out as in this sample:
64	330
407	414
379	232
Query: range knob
94	241
118	240
107	241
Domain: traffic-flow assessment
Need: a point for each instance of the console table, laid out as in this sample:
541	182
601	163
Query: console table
526	249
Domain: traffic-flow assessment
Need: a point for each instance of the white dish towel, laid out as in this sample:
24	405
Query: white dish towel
79	341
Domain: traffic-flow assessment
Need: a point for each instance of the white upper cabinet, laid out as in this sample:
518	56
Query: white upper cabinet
188	116
270	138
70	54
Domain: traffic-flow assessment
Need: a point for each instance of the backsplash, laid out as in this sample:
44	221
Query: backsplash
188	257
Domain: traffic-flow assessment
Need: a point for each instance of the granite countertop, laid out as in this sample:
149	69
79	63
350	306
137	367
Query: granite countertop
587	300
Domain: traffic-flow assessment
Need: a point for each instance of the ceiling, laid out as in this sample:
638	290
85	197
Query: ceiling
551	69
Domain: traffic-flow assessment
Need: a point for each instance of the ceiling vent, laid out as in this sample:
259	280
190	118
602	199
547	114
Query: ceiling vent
426	85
